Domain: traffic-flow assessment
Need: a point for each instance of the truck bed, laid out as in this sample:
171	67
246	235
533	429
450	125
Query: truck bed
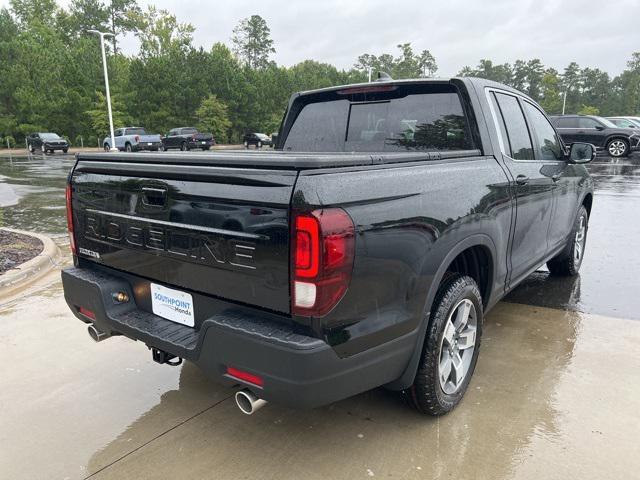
275	159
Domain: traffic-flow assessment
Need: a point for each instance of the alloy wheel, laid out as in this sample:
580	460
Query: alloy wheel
617	148
580	240
457	345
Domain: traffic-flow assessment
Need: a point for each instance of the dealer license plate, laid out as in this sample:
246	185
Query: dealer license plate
172	304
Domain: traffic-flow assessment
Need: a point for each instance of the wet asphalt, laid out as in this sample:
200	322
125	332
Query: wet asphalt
556	393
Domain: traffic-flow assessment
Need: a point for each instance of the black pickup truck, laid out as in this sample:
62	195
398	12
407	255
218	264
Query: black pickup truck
187	138
364	251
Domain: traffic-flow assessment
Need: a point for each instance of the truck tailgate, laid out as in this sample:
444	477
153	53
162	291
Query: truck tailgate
222	231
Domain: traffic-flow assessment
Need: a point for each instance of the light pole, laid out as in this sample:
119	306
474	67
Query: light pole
106	84
564	100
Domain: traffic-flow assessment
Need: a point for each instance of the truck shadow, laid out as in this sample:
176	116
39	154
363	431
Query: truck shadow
509	402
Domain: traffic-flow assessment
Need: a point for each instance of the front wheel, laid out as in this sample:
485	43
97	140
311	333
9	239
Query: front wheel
259	144
451	347
106	147
65	150
44	150
567	263
618	147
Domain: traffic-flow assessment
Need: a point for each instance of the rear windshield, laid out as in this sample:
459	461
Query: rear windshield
385	118
135	131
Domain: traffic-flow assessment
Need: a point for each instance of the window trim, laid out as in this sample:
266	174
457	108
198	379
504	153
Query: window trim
519	98
537	145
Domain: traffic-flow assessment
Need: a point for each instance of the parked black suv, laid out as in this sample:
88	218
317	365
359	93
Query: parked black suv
605	135
46	142
257	139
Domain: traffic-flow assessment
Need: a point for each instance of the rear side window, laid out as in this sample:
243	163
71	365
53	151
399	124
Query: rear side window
404	118
548	147
517	131
564	122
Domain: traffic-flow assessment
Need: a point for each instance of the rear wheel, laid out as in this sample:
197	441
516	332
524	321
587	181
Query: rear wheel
65	150
184	147
246	144
106	147
44	150
451	347
259	144
618	147
567	263
128	147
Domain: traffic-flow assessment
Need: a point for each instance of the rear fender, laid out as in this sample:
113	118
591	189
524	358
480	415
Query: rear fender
406	379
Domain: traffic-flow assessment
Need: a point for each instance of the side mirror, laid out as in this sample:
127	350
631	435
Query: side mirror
581	152
599	128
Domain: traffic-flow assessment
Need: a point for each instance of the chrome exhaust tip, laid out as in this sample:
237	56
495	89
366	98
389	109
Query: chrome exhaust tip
97	335
248	403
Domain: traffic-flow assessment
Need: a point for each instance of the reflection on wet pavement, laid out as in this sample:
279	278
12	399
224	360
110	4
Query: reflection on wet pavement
548	393
32	192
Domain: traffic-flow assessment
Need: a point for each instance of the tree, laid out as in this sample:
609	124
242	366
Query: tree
252	42
406	65
123	18
98	116
213	116
160	32
88	14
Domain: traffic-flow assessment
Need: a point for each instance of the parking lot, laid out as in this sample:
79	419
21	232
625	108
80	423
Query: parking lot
556	392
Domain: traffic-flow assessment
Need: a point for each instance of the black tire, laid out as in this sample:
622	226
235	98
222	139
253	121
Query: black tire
259	145
567	263
204	149
44	150
128	147
184	147
246	144
32	149
65	150
106	147
427	393
618	147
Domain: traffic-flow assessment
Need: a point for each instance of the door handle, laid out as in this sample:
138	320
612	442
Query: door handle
522	179
154	197
555	177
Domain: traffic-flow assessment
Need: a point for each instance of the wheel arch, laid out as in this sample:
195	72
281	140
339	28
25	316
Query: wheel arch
463	252
587	201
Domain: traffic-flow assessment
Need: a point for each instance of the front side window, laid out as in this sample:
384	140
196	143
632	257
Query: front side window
517	131
548	147
403	118
588	123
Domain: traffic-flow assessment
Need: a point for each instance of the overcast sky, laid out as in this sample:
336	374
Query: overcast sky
595	33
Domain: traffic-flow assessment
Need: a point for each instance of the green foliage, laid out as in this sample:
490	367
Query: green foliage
252	42
406	65
588	110
8	141
99	117
213	116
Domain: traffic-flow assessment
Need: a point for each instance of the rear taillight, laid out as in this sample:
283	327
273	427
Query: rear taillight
193	137
137	137
322	260
72	240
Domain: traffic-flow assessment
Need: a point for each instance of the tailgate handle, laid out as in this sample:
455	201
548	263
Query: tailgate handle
154	197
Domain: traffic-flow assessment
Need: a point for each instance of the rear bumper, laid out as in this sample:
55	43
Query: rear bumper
152	146
201	144
297	370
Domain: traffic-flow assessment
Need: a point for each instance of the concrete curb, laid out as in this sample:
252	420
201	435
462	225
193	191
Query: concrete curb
32	269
